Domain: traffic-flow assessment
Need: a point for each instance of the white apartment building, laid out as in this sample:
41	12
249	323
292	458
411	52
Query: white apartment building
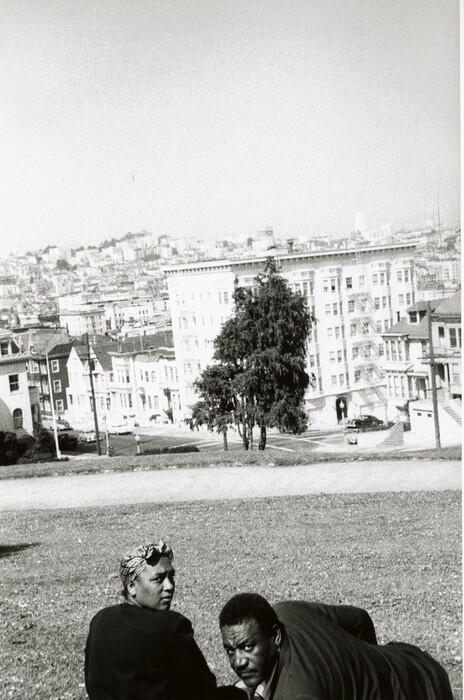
354	294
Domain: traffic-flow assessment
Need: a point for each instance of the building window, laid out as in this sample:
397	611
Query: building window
353	329
335	309
4	348
384	302
327	309
350	306
59	405
375	279
339	356
342	379
147	377
399	276
153	376
377	302
441	334
334	380
329	332
56	386
332	357
453	338
337	331
349	283
357	376
14	382
55	365
355	352
406	275
408	299
17	418
401	299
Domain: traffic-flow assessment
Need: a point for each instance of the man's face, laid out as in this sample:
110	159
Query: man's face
154	586
252	653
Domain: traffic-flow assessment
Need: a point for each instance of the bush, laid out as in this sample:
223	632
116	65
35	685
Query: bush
42	449
9	451
170	450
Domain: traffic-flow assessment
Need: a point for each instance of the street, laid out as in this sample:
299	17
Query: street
170	436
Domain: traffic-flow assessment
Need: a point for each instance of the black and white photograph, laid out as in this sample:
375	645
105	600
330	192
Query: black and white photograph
230	368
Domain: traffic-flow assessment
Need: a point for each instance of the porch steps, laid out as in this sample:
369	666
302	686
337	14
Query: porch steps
395	437
453	411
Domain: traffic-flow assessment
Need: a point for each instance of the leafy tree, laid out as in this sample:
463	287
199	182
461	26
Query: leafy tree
217	407
62	264
259	371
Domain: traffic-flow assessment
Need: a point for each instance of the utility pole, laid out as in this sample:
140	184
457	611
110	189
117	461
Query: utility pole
433	378
55	432
92	391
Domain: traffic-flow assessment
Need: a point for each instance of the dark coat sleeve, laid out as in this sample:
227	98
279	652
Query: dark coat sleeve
190	673
354	620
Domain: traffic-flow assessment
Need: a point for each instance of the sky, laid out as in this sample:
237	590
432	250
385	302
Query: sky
218	118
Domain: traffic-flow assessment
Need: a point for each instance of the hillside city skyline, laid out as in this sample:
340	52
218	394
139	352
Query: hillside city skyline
215	120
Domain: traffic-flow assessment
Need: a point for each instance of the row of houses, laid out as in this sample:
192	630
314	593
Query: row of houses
367	351
134	381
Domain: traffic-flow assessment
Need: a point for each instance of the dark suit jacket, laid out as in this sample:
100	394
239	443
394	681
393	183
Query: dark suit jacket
135	653
330	653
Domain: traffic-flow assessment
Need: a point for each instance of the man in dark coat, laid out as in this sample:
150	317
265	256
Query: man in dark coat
141	650
308	651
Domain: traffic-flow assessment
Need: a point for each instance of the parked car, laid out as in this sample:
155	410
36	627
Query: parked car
61	424
65	441
119	429
363	424
88	436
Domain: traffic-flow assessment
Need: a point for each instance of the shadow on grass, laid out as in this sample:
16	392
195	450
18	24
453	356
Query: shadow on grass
7	550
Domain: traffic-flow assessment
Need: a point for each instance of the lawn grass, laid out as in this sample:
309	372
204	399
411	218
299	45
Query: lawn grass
93	464
397	555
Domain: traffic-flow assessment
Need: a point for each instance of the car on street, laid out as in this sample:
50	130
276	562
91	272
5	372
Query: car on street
119	429
364	424
65	440
61	424
88	436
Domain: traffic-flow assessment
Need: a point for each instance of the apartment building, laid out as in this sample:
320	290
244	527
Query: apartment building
354	295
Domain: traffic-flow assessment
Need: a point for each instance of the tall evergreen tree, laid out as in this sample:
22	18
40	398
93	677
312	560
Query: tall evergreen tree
261	355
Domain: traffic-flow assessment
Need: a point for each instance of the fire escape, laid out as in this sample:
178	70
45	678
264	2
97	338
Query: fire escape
365	348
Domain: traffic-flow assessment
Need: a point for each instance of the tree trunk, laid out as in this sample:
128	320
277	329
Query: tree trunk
250	432
224	437
262	437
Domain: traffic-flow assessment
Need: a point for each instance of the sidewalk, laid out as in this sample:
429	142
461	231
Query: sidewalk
218	483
